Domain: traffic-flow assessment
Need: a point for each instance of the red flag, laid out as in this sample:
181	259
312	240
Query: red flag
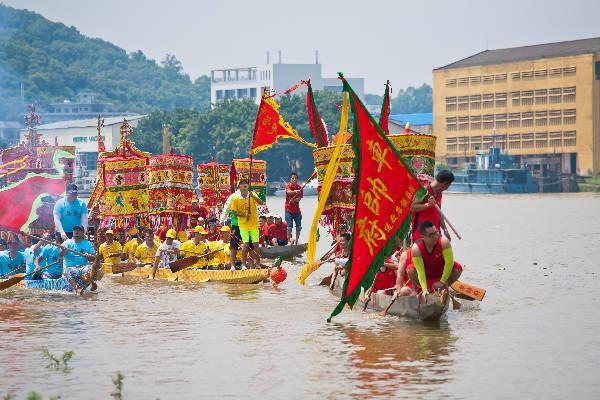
384	118
385	187
270	126
317	127
21	200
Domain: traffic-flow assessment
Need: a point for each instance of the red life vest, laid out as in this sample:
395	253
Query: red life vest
430	214
434	261
385	280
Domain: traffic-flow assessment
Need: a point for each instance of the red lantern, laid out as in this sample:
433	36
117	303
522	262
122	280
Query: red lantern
278	275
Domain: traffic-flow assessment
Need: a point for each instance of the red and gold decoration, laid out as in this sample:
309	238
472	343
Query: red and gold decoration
315	122
384	187
171	190
214	184
384	117
277	273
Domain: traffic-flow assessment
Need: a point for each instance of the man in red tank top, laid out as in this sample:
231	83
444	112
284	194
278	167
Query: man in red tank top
426	210
293	215
432	265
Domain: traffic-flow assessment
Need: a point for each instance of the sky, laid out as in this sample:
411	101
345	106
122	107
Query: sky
375	39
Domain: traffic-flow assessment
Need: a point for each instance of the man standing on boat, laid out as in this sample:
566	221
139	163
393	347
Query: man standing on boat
426	210
76	267
432	265
69	212
244	207
293	215
236	239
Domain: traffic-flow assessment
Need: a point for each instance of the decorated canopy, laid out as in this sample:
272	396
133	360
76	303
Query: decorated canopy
240	169
171	191
214	183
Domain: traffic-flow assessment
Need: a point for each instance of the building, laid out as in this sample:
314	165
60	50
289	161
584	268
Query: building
540	104
83	135
9	132
249	82
419	122
86	107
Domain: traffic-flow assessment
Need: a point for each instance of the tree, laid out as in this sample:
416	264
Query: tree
413	100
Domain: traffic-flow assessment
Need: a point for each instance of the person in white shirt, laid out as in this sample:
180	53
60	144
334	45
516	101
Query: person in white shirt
167	252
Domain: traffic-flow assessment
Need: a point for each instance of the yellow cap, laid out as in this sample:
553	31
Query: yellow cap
109	232
200	229
133	231
225	229
171	234
182	236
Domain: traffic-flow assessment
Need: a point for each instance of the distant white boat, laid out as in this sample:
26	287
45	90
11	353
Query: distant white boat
311	189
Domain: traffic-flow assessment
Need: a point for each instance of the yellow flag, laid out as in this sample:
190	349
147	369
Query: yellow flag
330	174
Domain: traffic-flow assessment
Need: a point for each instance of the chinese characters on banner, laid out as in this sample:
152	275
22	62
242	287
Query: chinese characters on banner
386	187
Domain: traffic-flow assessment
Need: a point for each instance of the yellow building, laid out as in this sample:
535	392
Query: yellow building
540	104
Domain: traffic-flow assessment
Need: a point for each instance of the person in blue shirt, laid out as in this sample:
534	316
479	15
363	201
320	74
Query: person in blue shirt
50	255
31	253
69	212
11	260
75	267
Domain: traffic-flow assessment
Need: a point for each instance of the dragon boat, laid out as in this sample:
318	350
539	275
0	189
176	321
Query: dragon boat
247	276
404	306
286	252
55	285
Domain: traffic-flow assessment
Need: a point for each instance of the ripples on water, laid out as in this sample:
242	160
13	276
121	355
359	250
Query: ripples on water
535	334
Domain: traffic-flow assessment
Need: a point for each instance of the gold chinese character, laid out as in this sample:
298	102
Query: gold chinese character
374	194
393	218
377	154
388	228
371	234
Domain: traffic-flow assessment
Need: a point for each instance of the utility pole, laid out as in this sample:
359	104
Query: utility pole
166	142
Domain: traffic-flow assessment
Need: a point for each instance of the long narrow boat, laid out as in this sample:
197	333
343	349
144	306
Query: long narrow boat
288	251
404	306
57	285
197	275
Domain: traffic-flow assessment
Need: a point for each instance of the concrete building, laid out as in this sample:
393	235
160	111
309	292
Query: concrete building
419	122
9	132
86	107
83	135
540	104
249	82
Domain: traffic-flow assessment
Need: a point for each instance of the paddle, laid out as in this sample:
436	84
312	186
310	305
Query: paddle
468	290
368	296
385	310
60	246
183	263
447	221
19	277
303	185
122	268
14	271
322	259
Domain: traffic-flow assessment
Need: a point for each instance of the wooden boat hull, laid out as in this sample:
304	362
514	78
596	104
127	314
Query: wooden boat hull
404	306
197	275
289	251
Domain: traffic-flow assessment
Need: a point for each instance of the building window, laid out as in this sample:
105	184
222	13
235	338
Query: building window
488	79
527	141
541	74
451	144
229	94
527	75
555	139
463	123
450	82
569	138
475	143
569	94
475	80
451	124
463	81
475	122
475	102
500	77
554	95
569	71
488	121
555	117
219	95
500	99
516	76
527	119
253	93
569	116
463	103
514	120
554	72
450	103
541	118
500	121
514	141
488	100
541	140
516	98
541	96
242	93
527	98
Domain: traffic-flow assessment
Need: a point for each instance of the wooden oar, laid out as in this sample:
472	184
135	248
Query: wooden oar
322	260
19	277
368	295
14	271
60	246
468	290
183	263
447	221
385	310
122	268
304	185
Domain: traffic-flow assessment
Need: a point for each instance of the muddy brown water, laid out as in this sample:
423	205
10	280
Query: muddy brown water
535	335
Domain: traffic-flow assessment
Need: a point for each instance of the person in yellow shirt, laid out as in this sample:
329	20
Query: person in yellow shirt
243	206
110	247
136	238
196	246
220	249
145	252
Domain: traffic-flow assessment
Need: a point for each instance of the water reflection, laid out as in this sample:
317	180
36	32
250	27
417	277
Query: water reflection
401	357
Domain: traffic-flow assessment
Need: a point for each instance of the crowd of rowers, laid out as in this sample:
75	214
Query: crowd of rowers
425	265
213	243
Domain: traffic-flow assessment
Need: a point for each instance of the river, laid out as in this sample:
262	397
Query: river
535	335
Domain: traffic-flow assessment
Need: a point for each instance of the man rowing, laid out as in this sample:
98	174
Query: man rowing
145	253
244	206
12	260
50	255
432	266
31	253
76	267
168	251
135	239
69	212
426	210
110	248
196	247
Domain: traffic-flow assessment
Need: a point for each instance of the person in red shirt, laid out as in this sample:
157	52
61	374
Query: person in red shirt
293	215
213	230
278	232
263	230
426	210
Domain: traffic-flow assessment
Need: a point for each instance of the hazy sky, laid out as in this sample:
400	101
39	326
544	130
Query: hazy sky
375	39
